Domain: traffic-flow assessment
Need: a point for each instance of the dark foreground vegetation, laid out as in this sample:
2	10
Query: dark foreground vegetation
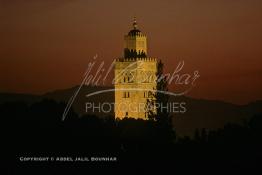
37	130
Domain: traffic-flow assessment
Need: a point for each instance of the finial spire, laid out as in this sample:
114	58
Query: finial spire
134	23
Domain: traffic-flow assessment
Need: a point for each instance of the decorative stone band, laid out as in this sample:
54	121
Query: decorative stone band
135	59
136	35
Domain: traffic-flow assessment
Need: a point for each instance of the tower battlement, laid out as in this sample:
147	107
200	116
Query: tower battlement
135	35
135	59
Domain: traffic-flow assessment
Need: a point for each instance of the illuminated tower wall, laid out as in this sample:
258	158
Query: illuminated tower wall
135	75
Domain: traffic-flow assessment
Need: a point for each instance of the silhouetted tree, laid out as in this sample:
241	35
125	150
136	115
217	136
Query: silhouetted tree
38	128
197	135
203	135
160	98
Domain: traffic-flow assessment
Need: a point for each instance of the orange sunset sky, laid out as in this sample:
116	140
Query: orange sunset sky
47	44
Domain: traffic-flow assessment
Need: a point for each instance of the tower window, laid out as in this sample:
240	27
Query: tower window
127	78
126	95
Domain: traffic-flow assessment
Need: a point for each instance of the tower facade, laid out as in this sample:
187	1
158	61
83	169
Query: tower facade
135	76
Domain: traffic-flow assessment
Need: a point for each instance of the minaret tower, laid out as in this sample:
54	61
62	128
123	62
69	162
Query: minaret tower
135	76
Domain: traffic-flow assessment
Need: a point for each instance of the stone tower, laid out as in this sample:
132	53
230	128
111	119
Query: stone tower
135	76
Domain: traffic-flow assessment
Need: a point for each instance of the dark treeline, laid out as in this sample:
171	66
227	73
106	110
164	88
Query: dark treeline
37	130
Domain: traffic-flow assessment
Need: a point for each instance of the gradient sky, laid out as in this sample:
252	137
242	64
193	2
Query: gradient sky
47	44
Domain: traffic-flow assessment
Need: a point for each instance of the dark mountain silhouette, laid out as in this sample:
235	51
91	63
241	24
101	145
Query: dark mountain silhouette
209	114
11	97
